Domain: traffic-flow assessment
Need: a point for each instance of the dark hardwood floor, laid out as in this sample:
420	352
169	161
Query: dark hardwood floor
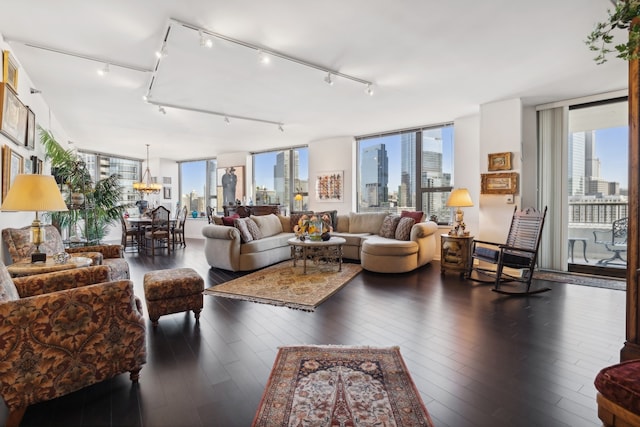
477	357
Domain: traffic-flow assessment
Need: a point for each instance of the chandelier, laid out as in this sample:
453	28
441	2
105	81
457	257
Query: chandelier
145	186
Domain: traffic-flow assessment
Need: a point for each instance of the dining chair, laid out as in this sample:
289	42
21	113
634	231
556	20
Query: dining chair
129	235
177	230
158	234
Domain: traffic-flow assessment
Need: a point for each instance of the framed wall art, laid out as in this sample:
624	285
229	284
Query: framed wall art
12	165
500	161
9	70
499	183
330	186
36	165
230	186
166	192
13	116
30	138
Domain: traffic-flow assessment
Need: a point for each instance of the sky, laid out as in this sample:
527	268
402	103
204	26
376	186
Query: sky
612	150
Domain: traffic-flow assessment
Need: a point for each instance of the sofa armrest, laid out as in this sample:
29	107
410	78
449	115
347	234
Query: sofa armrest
57	343
107	251
222	246
223	232
40	284
423	229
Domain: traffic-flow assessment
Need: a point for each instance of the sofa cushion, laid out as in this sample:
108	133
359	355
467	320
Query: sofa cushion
403	230
228	220
620	383
342	224
366	222
247	229
217	220
266	243
389	225
381	246
285	222
269	225
329	218
352	239
416	215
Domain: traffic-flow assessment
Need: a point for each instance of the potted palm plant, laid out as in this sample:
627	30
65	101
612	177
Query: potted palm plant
95	205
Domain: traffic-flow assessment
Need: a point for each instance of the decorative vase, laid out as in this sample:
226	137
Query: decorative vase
315	230
194	214
77	199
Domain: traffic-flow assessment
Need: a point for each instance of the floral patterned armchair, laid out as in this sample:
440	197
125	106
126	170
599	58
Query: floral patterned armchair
18	247
62	331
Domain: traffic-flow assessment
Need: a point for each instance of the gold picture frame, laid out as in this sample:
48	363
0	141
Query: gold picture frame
13	115
500	161
499	183
12	165
9	70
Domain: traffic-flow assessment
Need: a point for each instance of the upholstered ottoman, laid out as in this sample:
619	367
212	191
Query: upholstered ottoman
619	394
172	291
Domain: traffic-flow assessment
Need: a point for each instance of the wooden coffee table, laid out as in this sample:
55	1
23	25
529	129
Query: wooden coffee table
327	250
27	268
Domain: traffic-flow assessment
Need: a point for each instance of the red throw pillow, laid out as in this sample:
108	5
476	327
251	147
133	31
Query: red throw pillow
228	220
416	215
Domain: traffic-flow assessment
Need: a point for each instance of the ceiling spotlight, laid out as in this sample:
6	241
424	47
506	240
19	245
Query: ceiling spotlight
34	90
328	80
226	120
369	89
263	57
204	40
145	98
280	128
161	109
162	52
104	70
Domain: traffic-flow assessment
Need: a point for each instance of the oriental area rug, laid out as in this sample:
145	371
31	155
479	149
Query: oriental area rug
285	285
340	386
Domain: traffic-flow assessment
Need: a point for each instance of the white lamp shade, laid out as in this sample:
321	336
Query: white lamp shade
459	197
34	192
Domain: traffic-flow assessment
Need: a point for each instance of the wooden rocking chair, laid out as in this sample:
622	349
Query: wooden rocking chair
519	252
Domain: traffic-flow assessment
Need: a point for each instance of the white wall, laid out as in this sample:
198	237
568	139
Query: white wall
500	131
328	155
466	168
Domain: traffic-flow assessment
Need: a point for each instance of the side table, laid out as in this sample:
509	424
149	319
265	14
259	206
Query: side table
455	253
28	268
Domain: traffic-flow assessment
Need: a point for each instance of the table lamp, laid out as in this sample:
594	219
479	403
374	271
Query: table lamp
34	192
298	199
459	198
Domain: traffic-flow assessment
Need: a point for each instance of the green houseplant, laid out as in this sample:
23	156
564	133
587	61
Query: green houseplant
602	38
96	205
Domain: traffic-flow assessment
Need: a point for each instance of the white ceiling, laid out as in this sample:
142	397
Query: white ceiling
431	62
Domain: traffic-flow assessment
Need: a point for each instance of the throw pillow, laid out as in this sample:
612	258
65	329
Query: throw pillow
254	229
269	225
243	228
416	215
330	218
229	220
217	220
403	230
389	225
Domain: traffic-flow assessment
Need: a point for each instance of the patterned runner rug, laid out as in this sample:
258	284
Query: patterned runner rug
285	285
340	386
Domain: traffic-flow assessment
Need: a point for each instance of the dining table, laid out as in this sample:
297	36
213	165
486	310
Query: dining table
141	222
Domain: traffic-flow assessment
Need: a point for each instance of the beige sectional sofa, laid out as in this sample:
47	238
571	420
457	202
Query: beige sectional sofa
225	249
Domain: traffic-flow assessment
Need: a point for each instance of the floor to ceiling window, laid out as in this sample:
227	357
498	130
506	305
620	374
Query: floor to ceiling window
597	186
281	177
406	170
198	185
101	166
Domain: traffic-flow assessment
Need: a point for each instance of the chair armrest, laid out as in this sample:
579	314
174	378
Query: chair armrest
515	248
68	340
107	251
40	284
96	257
484	242
423	229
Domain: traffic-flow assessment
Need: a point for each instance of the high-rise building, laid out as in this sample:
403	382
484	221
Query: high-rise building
375	176
406	196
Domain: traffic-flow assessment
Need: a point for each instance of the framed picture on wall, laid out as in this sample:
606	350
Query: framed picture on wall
30	139
9	70
166	192
12	165
13	116
330	186
500	161
499	183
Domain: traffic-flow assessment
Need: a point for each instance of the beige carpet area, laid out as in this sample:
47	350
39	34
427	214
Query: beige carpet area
285	285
